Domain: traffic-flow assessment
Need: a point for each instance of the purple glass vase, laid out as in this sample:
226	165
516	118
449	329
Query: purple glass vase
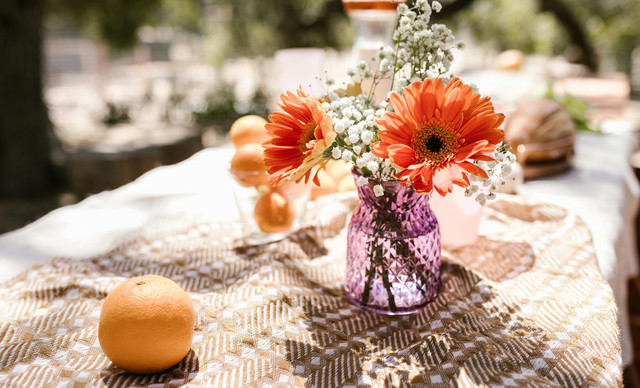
393	250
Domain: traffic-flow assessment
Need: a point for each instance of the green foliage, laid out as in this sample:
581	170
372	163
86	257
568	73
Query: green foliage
114	21
233	27
117	21
577	108
507	24
116	114
614	27
222	108
611	25
260	27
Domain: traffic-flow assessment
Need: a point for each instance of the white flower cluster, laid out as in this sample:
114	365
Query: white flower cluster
498	171
353	120
421	51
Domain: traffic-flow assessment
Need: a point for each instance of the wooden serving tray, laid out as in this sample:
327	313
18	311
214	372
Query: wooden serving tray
542	159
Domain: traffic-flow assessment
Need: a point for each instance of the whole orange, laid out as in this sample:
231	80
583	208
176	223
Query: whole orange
347	183
327	185
273	212
146	324
247	165
248	129
338	169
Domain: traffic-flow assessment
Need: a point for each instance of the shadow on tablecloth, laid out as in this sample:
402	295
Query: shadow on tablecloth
526	305
178	375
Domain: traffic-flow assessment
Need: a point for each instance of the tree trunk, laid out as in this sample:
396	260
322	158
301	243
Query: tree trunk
575	31
25	162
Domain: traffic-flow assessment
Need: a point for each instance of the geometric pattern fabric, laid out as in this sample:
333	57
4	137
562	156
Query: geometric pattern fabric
524	306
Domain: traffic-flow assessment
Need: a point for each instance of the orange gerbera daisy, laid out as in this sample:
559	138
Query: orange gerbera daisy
299	137
435	132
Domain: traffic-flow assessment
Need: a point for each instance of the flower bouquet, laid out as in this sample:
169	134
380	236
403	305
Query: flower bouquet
431	132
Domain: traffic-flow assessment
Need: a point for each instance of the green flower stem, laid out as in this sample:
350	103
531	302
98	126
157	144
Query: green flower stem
376	255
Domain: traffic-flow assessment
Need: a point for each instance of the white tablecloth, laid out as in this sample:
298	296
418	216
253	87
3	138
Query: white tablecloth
601	189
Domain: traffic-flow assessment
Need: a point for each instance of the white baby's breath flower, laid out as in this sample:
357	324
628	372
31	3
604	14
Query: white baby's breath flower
482	199
368	156
366	136
420	50
385	65
471	190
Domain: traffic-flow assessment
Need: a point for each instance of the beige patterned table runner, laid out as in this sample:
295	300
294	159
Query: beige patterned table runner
526	305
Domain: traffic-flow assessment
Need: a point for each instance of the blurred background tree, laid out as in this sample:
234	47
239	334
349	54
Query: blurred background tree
240	27
26	137
259	28
593	32
601	34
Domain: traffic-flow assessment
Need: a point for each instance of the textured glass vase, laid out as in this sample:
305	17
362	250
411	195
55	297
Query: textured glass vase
393	250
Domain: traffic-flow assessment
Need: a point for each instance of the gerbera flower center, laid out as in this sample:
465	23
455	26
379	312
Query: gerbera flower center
435	143
308	134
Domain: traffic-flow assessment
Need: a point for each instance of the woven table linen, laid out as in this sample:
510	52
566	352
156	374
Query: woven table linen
525	305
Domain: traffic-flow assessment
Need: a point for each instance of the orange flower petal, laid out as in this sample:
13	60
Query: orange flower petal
442	181
469	150
401	156
299	137
473	169
436	131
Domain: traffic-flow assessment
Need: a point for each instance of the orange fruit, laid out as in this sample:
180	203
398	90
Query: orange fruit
347	183
247	165
248	129
338	169
510	60
273	212
146	324
328	185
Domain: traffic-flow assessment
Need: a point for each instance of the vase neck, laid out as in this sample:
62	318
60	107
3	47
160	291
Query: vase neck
396	196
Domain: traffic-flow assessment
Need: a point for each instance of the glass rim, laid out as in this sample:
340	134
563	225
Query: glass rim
373	5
